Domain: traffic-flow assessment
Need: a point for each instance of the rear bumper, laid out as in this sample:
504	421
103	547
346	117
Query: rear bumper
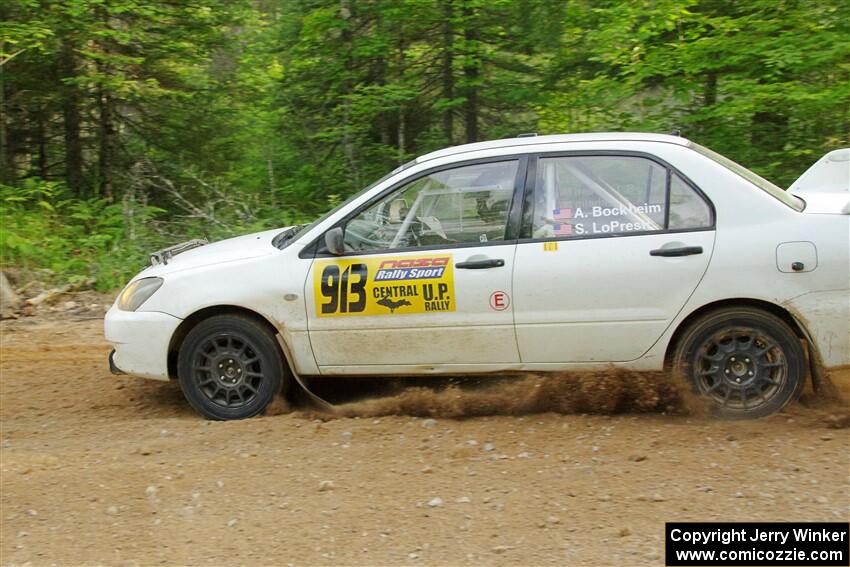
140	340
826	317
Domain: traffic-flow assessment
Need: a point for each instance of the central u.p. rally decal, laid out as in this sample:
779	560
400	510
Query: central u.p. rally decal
384	285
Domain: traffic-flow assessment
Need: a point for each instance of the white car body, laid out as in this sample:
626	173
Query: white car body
582	303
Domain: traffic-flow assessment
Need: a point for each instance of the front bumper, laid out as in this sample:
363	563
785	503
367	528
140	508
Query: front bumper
112	366
140	340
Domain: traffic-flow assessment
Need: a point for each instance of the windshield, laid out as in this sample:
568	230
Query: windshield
794	202
283	239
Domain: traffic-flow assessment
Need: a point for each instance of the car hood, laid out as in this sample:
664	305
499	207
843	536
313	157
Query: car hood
238	248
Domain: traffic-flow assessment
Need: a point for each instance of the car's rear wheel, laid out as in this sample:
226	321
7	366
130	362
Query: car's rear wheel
230	367
747	362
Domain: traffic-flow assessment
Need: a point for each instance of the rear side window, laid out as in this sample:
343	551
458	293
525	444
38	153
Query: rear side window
616	195
687	209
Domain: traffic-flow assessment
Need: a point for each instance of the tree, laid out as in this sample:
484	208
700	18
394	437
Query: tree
184	119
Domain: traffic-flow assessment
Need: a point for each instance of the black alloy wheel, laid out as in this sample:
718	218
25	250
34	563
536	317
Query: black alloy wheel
230	367
748	362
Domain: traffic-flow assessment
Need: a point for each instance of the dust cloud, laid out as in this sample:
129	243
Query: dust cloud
613	391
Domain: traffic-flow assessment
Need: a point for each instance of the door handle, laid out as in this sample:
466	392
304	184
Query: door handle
480	264
683	251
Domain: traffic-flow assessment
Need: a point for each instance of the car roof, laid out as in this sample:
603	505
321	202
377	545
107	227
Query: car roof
532	140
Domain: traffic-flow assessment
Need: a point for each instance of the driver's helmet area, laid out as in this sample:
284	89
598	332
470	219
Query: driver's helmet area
494	200
398	210
470	207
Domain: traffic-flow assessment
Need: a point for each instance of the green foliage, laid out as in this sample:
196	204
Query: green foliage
766	83
46	227
128	125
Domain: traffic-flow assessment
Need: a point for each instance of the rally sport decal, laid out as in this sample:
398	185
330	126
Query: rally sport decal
384	285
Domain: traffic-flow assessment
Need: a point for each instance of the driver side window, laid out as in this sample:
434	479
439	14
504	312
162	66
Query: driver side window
463	205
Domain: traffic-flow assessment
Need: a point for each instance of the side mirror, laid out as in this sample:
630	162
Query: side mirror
335	241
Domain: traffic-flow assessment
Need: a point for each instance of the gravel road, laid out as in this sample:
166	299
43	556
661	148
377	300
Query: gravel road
97	469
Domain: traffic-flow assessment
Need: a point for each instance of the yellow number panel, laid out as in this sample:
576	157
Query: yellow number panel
385	285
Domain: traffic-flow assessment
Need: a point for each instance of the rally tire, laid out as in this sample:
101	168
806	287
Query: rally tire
749	363
231	367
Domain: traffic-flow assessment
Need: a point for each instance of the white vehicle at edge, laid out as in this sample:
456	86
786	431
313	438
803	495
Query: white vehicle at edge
545	253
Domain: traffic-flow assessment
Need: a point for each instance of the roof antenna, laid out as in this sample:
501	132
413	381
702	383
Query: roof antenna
527	135
676	132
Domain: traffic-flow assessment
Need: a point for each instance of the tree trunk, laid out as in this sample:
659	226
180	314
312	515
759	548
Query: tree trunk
348	86
402	133
710	89
709	98
107	129
448	70
7	164
270	173
71	120
106	143
41	142
471	73
769	131
129	204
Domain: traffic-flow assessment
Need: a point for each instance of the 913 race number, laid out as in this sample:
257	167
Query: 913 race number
346	292
384	285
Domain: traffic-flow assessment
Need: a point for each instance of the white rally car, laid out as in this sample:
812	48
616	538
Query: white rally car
546	253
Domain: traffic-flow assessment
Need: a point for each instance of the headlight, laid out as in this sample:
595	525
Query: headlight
137	293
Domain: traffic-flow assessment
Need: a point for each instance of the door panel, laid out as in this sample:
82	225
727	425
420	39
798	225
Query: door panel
602	299
412	292
606	276
396	309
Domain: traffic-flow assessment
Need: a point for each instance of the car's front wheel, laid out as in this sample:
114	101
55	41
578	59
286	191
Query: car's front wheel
230	367
747	362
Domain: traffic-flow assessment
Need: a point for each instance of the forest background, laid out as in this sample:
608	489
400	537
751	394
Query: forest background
130	125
